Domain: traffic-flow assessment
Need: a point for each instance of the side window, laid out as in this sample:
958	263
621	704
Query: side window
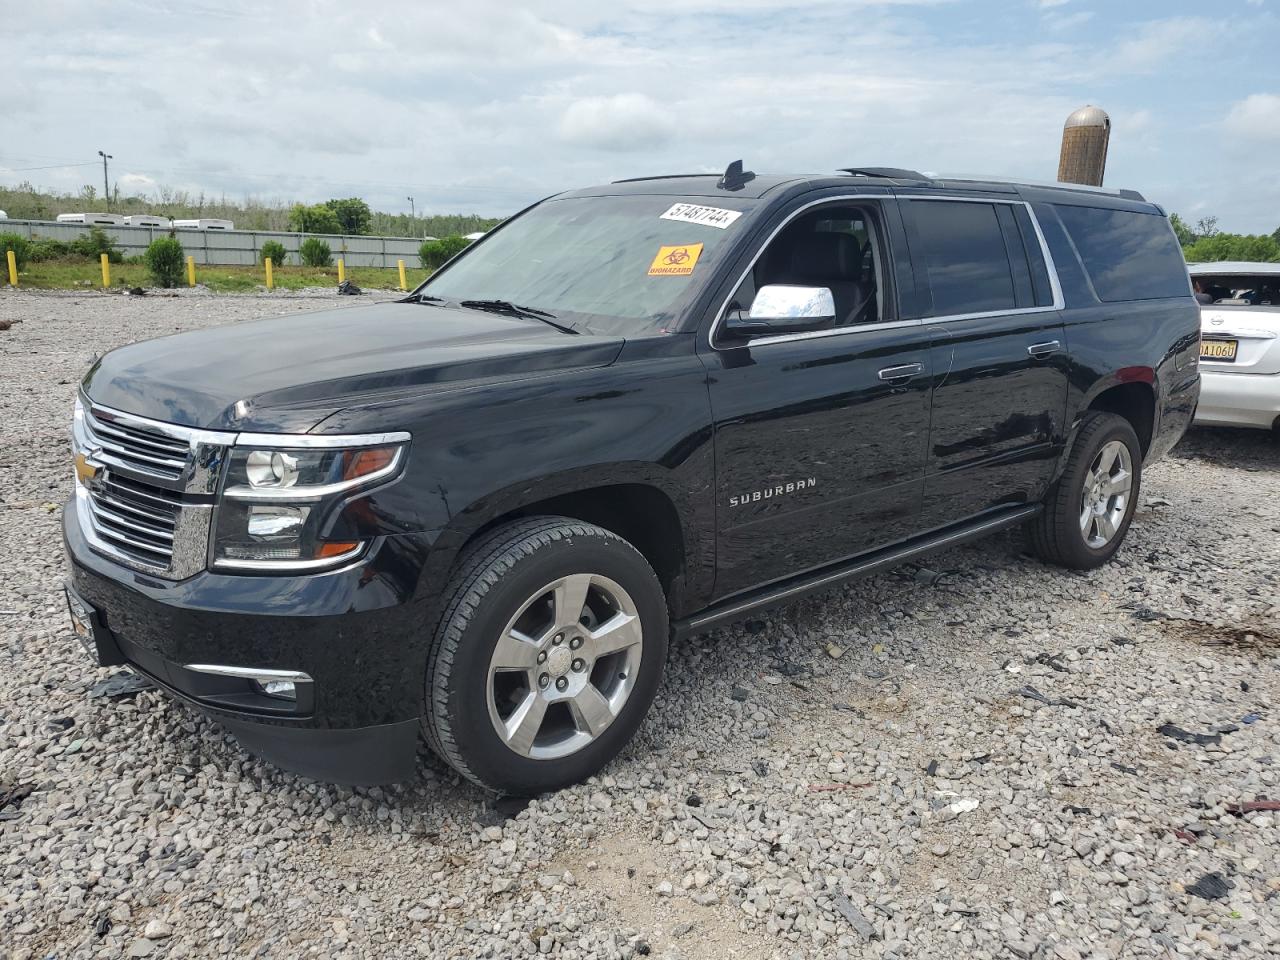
1128	255
966	256
837	247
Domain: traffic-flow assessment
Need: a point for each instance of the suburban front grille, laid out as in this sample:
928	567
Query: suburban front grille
136	447
136	519
145	489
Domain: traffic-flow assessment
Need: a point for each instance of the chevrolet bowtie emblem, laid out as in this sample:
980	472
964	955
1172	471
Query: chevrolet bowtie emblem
87	469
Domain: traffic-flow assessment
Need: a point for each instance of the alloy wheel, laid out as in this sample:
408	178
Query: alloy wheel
564	667
1105	497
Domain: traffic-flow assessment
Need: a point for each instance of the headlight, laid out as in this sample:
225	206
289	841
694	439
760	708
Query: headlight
277	498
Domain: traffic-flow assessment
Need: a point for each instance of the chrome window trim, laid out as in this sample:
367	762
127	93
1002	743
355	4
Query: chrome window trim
1054	284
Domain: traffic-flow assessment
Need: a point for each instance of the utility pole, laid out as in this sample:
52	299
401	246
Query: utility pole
106	190
412	216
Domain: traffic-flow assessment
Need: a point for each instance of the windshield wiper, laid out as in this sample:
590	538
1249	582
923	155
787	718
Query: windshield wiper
423	298
515	310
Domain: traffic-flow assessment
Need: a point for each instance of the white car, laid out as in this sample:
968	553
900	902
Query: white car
1239	343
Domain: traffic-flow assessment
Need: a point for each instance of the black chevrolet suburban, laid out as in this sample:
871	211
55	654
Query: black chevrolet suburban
478	514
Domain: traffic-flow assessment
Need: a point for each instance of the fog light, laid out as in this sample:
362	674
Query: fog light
280	689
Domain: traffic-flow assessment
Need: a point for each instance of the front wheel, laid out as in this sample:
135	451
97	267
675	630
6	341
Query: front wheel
547	657
1088	511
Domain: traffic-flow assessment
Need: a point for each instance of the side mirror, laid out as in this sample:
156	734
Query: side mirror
782	308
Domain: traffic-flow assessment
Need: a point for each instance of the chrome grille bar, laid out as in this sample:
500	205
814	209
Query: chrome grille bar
149	504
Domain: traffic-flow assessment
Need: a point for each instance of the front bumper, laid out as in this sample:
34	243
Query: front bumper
359	633
1239	399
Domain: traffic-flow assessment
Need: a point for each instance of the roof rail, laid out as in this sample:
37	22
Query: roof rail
887	173
665	176
1047	184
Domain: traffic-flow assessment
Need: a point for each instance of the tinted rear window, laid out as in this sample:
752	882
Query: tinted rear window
1128	256
964	251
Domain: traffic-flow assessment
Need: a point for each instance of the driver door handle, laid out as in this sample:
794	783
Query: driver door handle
1042	350
904	371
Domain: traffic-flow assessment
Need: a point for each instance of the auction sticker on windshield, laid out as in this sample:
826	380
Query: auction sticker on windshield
675	261
706	216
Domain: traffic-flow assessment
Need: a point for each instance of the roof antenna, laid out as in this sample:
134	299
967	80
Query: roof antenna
735	178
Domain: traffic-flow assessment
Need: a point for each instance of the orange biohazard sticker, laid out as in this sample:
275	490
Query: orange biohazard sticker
676	261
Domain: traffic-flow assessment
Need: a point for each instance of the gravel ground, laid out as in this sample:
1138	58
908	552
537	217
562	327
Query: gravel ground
984	757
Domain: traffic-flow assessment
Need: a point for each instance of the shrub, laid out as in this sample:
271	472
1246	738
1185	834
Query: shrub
21	248
314	252
275	250
166	262
94	244
45	249
1231	246
434	253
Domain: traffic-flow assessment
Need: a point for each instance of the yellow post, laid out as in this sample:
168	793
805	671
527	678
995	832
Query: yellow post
403	284
106	271
270	281
342	270
191	271
13	269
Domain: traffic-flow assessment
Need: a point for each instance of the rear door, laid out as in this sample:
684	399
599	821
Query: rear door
998	349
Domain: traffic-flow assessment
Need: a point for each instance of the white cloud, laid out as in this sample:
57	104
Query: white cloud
487	105
1256	118
625	121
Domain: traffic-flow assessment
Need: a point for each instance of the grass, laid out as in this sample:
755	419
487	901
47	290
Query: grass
84	275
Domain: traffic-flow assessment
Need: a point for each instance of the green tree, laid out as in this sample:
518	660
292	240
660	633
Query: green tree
1233	246
165	261
1276	236
1184	233
435	253
318	218
353	213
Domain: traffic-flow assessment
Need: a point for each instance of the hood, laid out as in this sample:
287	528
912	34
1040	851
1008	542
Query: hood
289	373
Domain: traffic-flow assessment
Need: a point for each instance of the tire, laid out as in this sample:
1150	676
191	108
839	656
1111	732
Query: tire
525	578
1064	534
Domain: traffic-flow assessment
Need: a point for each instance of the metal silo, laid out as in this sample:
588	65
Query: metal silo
1084	147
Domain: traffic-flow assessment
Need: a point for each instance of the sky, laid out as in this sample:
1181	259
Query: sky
484	106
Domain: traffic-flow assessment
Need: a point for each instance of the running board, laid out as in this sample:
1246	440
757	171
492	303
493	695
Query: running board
796	587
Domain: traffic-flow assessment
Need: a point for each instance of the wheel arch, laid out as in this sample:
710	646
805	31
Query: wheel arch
1135	401
635	504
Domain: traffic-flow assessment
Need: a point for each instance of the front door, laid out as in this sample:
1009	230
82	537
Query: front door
819	437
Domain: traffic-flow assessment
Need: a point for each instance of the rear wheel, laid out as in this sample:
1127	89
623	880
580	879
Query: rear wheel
1088	511
547	657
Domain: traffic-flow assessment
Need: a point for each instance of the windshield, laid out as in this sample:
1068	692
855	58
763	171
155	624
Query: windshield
617	265
1238	289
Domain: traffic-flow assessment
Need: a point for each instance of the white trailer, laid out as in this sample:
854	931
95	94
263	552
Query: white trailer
146	220
93	219
204	224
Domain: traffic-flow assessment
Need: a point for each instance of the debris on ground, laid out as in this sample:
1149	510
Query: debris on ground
1211	886
1031	693
1175	732
126	683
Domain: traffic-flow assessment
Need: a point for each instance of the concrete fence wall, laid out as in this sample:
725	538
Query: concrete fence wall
230	246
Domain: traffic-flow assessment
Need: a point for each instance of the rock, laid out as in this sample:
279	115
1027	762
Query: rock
140	948
157	930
